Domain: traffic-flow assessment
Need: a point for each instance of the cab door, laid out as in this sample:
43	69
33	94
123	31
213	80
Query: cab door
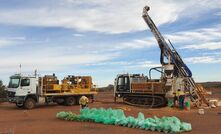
123	84
26	85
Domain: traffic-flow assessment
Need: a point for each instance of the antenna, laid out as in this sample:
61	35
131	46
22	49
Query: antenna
20	69
35	72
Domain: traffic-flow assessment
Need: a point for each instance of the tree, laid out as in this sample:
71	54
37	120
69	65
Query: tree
2	90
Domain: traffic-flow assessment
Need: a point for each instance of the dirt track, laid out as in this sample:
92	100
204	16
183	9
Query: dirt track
42	120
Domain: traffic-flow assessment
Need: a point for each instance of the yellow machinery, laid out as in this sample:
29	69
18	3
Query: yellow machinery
70	84
69	90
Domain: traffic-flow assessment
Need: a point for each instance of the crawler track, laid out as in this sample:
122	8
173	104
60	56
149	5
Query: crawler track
145	100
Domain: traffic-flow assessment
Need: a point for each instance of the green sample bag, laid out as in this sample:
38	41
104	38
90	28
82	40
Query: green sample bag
117	117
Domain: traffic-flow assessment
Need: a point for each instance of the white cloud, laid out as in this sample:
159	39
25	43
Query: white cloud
9	41
136	64
119	46
202	38
110	16
49	62
136	44
201	34
209	46
203	59
5	42
18	38
212	53
78	35
144	64
14	40
218	14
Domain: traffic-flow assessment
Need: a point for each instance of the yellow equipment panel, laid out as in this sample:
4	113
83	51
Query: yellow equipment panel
56	87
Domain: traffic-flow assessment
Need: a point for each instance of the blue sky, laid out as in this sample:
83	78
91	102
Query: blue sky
103	38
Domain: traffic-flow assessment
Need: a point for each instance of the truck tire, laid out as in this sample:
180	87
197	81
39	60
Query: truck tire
29	103
77	100
115	99
19	105
69	101
60	102
92	98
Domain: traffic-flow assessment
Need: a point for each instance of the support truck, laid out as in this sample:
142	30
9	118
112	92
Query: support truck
26	91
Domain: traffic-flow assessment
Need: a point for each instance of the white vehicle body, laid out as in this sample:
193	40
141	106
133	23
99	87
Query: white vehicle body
21	87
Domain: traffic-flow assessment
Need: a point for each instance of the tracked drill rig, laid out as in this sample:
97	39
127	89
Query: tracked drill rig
140	90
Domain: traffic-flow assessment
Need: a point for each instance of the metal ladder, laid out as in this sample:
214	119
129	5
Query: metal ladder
196	91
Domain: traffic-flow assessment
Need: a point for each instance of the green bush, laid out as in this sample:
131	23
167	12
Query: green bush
2	90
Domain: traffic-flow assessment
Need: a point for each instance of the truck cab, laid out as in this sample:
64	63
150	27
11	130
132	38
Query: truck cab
22	88
123	83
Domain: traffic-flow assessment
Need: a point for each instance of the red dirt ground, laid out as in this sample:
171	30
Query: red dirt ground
42	120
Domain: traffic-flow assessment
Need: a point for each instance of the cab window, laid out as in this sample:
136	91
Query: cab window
121	81
14	82
25	82
126	80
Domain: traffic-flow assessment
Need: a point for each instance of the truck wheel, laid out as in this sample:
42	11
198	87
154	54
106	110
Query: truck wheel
19	105
29	103
77	100
92	98
59	102
115	99
69	101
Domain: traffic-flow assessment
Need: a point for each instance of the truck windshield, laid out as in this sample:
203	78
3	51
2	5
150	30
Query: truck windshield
14	82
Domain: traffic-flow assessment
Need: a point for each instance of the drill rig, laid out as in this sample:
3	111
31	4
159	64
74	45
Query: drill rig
139	90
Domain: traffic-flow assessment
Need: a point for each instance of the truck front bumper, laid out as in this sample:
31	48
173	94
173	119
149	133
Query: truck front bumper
16	99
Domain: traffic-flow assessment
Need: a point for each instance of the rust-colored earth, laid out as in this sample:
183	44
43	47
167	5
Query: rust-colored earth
42	120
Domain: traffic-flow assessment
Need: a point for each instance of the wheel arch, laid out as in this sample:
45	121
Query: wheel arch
33	96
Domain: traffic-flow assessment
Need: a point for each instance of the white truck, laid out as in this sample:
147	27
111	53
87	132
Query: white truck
26	91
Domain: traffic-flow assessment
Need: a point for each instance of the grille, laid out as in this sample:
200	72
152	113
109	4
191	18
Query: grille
11	94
